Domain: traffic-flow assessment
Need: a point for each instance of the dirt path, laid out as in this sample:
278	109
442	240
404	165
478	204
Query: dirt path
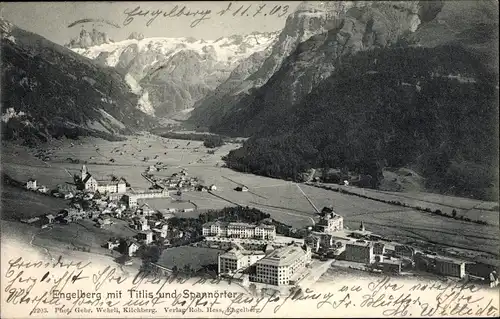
45	249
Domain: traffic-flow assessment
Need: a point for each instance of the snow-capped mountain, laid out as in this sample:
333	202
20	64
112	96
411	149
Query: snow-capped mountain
171	74
48	90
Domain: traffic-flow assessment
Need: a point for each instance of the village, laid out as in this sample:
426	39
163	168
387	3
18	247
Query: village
249	249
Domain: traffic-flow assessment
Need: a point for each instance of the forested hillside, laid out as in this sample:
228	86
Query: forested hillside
434	109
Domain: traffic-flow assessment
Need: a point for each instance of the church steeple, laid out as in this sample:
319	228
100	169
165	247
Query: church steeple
84	172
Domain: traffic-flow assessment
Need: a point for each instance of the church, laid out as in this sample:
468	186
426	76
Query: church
90	184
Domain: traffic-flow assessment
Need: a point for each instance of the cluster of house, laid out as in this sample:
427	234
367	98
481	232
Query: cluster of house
155	168
253	251
117	189
362	246
256	252
65	216
180	181
150	226
32	185
148	234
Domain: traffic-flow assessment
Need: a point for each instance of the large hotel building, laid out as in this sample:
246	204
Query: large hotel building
283	266
239	230
238	258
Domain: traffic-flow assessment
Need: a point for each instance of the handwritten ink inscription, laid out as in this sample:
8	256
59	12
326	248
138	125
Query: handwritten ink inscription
198	15
50	288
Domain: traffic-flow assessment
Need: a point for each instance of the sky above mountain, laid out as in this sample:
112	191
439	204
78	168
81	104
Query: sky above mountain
201	20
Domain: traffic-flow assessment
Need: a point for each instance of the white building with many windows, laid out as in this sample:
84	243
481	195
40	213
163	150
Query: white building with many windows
237	259
329	221
239	230
103	186
283	266
450	267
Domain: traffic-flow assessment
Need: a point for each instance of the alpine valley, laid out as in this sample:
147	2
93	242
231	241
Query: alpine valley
374	92
368	88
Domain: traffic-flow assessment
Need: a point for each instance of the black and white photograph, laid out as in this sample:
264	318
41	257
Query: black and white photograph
249	159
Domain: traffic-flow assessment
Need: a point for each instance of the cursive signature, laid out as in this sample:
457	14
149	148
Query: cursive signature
200	15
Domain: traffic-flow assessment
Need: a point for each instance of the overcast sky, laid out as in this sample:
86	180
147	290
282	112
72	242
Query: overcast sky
51	19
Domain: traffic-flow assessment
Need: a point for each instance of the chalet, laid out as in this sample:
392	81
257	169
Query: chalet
50	218
140	224
117	212
31	184
146	236
113	243
42	189
69	195
101	222
132	248
159	233
88	196
329	222
493	279
152	168
112	205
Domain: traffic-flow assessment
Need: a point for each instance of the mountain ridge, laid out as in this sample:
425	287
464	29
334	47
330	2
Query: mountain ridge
289	134
171	74
49	91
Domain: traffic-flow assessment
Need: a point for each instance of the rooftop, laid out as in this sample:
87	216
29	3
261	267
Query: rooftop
392	262
147	191
449	260
283	256
110	182
239	252
361	244
237	224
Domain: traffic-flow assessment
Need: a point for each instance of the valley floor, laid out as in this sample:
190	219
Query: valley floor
283	200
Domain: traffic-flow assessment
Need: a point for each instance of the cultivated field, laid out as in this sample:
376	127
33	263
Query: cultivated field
283	200
18	203
83	233
196	257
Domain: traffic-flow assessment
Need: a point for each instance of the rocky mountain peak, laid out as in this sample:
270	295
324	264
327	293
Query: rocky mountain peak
136	36
88	39
5	26
176	72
